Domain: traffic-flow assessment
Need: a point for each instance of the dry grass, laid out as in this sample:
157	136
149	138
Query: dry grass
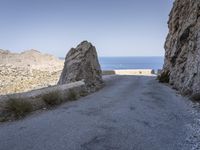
83	93
52	98
72	95
18	107
164	77
195	97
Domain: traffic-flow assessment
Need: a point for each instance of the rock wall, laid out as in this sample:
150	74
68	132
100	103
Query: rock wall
20	72
182	47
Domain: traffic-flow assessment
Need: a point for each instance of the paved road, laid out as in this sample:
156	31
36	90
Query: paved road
129	113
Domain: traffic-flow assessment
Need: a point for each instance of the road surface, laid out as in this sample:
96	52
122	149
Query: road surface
129	113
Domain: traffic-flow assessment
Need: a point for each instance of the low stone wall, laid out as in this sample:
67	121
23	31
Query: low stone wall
35	97
129	72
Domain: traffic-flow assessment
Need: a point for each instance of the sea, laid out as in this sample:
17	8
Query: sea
110	63
122	63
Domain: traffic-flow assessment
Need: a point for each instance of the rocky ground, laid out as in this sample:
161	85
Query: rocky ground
20	72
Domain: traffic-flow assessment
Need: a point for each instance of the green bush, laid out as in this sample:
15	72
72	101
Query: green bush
72	95
18	107
52	98
164	77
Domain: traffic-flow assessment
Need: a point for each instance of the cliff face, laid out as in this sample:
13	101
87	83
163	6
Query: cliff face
182	47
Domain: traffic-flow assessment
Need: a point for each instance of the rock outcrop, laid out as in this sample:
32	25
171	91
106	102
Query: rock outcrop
81	63
182	47
20	72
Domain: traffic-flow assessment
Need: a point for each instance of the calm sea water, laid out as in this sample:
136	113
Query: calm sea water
109	63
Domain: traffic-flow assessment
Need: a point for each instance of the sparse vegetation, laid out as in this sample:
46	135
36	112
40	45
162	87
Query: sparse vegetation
3	119
52	98
164	77
72	95
4	116
18	107
195	97
83	93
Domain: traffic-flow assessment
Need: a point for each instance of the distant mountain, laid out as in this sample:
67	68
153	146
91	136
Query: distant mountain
28	58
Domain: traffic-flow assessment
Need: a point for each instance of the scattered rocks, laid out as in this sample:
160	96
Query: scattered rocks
182	47
27	71
81	63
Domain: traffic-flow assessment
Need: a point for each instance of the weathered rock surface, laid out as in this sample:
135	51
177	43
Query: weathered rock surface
20	72
182	47
81	63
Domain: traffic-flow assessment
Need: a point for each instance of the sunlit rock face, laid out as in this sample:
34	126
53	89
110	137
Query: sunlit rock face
182	47
81	63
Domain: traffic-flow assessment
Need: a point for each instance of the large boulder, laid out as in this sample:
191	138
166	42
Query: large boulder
81	63
182	47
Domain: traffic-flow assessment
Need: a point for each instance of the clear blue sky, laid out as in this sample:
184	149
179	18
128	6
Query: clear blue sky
115	27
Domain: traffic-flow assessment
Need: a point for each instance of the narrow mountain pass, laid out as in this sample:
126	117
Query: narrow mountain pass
129	113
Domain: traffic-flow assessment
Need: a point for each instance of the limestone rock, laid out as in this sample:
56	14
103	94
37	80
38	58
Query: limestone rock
21	72
81	63
182	47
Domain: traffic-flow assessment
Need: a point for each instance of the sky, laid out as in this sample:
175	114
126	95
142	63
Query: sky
114	27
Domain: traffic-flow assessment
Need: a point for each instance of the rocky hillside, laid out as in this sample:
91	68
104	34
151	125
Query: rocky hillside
182	47
28	70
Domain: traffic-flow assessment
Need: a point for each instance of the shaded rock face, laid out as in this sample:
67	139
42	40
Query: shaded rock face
182	47
81	63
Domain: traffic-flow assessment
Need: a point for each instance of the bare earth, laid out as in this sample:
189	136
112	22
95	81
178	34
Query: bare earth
28	70
129	113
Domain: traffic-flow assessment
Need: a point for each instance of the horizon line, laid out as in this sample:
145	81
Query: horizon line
128	56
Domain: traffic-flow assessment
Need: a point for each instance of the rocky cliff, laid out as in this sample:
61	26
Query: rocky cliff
182	47
20	72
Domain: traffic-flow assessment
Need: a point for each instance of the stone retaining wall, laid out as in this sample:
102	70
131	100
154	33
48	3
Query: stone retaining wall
35	97
129	72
